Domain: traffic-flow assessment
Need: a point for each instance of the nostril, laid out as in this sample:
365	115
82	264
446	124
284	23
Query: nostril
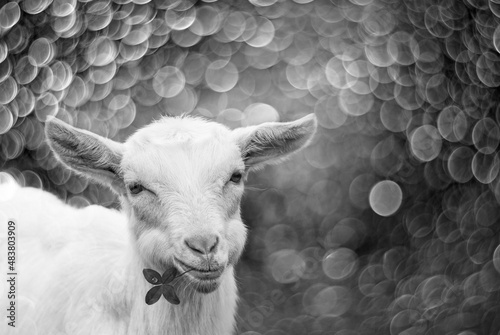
214	244
202	244
193	247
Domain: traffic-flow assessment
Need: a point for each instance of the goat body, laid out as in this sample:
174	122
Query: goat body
180	183
79	274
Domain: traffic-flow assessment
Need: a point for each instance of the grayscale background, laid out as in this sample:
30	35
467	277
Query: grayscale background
387	224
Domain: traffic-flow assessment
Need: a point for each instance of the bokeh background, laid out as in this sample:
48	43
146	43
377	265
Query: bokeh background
386	224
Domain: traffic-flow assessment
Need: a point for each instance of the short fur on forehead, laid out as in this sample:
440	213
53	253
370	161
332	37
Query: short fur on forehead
183	145
169	130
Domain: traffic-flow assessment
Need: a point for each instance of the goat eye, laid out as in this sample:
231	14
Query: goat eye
236	177
135	188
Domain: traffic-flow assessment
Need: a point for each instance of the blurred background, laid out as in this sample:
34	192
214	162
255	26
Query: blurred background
386	224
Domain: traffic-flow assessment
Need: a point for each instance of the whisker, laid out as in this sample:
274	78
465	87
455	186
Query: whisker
256	189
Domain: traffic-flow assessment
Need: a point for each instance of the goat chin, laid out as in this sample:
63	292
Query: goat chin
78	273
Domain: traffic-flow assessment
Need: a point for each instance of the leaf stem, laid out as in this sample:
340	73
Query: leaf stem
182	274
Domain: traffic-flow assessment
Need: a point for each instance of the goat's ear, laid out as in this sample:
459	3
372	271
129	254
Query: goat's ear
270	142
86	153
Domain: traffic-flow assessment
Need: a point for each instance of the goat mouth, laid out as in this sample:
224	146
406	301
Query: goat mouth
202	275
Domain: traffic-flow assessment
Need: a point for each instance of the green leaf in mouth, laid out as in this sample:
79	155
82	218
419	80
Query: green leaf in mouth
154	295
152	276
162	285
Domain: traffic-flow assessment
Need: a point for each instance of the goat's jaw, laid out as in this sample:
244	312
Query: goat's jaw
206	286
202	281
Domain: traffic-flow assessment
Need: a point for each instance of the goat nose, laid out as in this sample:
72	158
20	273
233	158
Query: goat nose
202	244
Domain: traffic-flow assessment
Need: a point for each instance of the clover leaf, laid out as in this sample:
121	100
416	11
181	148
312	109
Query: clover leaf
170	295
152	276
162	286
169	275
154	295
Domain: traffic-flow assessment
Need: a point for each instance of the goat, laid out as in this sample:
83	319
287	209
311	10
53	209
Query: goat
180	182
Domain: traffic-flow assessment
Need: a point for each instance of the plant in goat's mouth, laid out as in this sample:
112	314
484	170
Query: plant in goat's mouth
163	286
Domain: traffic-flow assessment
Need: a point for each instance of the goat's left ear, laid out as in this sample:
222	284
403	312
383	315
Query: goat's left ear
270	142
89	154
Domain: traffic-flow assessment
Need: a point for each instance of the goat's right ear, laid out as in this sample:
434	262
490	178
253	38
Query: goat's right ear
271	142
86	153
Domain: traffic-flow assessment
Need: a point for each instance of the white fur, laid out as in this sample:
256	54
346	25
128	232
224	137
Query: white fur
80	270
78	275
